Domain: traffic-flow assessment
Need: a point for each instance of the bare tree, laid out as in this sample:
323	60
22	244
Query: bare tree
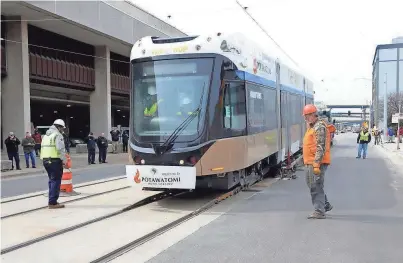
393	105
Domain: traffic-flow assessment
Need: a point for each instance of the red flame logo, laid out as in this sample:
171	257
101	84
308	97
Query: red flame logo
254	65
137	177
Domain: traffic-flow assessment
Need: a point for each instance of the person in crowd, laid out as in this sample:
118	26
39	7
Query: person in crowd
125	140
376	134
316	156
364	137
38	140
91	147
12	143
28	145
400	134
53	155
102	143
391	135
115	134
66	141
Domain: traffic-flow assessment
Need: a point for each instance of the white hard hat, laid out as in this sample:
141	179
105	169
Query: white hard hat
60	122
152	90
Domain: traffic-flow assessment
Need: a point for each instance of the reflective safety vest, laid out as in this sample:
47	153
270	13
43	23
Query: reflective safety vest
151	111
309	146
48	147
364	136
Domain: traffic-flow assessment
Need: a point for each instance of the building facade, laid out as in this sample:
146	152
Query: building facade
387	76
58	62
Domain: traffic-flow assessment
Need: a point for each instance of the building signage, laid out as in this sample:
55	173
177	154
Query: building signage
396	117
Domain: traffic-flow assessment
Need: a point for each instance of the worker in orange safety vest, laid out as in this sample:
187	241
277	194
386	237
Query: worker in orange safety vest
316	154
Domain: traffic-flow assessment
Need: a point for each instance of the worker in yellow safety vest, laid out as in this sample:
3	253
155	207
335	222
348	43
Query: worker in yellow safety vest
53	154
151	102
185	104
364	137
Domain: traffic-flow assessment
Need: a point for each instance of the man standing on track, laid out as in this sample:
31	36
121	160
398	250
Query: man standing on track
53	154
316	154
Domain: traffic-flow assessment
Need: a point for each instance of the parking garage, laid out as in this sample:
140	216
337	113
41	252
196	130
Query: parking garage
70	68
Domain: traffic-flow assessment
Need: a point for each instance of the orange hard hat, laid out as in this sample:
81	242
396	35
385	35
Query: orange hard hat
309	109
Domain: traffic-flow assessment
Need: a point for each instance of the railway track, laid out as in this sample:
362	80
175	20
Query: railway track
141	203
80	186
149	234
65	202
140	241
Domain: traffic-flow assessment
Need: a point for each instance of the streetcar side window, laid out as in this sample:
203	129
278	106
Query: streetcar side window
234	109
262	114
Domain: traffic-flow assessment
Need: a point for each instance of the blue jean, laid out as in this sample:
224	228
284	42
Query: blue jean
30	155
54	169
362	147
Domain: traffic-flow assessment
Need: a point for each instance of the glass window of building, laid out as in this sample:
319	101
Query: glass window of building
401	54
389	68
387	54
401	76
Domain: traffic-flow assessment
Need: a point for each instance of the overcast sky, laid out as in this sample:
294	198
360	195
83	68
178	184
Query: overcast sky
333	41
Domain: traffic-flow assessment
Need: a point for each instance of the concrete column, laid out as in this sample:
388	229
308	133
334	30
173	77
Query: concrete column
15	91
100	99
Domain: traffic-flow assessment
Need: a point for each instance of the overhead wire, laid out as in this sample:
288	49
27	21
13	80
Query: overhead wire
265	31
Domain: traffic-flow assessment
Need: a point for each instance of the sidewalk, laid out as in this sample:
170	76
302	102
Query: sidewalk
392	147
79	162
389	150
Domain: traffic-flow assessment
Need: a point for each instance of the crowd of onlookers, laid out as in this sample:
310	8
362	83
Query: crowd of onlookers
102	143
31	145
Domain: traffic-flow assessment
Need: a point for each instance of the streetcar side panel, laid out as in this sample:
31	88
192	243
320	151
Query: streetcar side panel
250	109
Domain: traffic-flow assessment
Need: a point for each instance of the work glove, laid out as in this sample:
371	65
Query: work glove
316	169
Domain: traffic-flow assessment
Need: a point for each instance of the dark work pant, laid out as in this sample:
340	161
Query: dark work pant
54	169
37	149
102	155
125	147
91	156
16	157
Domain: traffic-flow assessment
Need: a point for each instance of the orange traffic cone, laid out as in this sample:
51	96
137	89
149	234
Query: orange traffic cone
66	187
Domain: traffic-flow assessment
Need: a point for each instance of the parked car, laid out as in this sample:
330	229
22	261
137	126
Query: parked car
75	141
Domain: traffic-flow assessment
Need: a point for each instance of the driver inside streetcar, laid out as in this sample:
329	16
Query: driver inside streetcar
150	102
185	105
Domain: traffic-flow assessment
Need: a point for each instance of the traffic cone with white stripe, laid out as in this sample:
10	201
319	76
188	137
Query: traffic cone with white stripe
66	187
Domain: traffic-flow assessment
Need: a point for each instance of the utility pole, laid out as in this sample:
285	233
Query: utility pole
385	110
398	123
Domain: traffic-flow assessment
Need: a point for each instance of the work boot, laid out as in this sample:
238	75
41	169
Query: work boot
328	207
56	206
316	215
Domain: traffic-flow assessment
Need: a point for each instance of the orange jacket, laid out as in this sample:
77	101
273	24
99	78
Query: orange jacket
310	149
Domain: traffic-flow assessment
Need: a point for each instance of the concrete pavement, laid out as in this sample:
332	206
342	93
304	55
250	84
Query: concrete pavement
366	224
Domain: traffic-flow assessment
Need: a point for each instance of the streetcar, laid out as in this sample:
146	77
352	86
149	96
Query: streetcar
211	111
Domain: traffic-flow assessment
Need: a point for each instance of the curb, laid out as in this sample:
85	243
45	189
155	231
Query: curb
43	171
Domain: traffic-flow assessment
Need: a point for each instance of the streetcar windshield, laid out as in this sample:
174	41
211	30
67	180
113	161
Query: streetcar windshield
166	93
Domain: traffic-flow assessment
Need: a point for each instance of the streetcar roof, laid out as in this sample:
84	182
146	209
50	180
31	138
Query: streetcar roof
244	53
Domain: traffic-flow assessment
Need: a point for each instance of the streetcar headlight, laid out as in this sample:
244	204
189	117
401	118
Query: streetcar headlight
143	161
181	162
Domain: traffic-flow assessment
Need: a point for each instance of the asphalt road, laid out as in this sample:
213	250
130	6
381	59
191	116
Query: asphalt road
365	226
38	182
